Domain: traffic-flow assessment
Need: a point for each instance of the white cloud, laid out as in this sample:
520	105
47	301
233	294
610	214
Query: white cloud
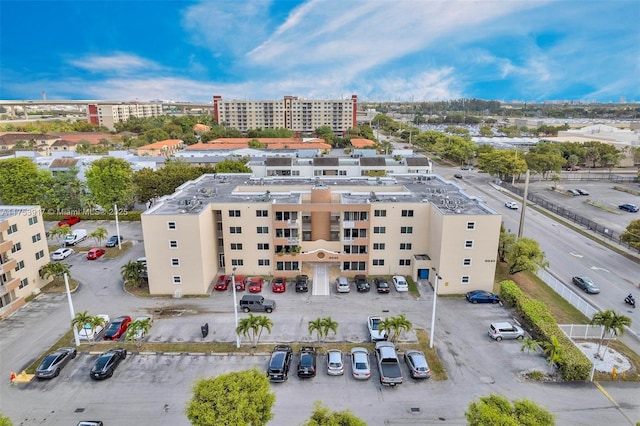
117	62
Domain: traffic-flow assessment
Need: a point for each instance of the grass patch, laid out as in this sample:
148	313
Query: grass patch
534	287
140	289
57	286
601	207
627	190
535	375
413	288
114	252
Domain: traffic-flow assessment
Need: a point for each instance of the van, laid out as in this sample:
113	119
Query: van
505	330
75	237
342	285
255	302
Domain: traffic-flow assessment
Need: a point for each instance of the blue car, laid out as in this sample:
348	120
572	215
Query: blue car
481	296
113	241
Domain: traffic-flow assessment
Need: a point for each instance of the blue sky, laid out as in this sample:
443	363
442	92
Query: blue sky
391	50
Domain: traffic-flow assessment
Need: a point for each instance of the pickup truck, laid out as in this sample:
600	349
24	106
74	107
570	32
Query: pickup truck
388	364
375	334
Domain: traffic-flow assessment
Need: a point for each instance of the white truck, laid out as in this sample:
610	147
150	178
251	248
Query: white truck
388	364
75	237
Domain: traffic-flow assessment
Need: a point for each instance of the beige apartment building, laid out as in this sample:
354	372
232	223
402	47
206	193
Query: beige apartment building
23	251
108	115
402	224
291	112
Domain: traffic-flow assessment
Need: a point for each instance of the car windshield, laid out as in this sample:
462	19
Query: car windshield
102	361
114	326
276	361
306	360
46	363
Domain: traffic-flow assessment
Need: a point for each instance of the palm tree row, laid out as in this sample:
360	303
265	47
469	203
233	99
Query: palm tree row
322	327
82	319
395	326
253	327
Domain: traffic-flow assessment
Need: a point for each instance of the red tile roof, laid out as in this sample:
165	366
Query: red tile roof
362	143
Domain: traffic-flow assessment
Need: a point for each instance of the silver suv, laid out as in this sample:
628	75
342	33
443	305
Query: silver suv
505	330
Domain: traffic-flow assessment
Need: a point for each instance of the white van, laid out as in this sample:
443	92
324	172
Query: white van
342	285
75	237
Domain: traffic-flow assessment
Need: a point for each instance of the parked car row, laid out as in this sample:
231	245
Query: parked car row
381	284
103	368
255	284
576	192
282	357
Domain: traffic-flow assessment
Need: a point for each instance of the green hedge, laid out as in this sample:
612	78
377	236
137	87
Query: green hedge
125	216
574	365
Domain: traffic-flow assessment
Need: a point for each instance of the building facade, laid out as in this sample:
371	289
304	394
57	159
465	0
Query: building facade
23	252
293	113
108	115
397	225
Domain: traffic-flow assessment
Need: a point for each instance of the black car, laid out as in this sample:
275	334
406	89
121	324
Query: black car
107	363
307	363
54	362
113	241
632	208
279	363
457	176
302	284
382	285
361	283
586	284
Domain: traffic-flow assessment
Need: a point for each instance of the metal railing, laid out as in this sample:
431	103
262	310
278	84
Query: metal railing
585	331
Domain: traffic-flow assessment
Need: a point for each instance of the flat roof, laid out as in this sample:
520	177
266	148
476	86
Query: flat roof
193	196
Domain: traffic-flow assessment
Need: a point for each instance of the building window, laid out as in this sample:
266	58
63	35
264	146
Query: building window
23	283
379	229
33	220
36	238
40	255
466	262
262	213
20	265
263	246
407	213
287	266
173	244
353	216
355	249
13	228
406	229
380	213
262	229
175	262
378	262
264	262
405	246
235	229
16	247
236	246
468	244
405	262
177	279
354	266
237	262
471	226
234	213
465	279
171	225
378	246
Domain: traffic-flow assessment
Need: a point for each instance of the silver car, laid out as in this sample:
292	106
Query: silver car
505	330
335	366
417	363
54	362
360	367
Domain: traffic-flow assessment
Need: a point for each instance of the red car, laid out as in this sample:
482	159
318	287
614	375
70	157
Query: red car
279	285
222	284
255	285
240	282
69	220
117	328
95	253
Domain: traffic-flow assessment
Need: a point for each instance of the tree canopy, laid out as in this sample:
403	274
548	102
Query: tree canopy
240	398
110	182
525	255
502	163
497	410
22	183
632	234
323	416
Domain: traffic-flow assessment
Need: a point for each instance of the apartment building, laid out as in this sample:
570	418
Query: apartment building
293	113
23	251
324	227
108	115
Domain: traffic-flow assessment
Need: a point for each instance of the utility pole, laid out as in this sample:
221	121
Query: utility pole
524	204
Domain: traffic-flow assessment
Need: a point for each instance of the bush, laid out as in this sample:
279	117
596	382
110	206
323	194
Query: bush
89	214
573	365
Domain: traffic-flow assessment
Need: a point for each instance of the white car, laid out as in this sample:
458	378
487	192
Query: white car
140	333
61	253
375	334
360	367
400	283
511	205
87	333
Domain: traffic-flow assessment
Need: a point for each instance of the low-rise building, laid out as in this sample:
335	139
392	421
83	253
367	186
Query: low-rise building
23	252
324	227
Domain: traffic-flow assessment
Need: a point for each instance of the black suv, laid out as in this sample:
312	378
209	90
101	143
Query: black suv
302	283
382	285
307	363
361	283
279	363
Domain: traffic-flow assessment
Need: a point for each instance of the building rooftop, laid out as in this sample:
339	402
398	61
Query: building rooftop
193	196
7	212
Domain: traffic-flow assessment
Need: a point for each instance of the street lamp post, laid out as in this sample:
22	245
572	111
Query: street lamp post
71	311
433	312
235	305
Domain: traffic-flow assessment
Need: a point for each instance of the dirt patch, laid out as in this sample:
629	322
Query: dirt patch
175	311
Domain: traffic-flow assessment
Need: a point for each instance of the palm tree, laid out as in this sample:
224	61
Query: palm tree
132	272
385	326
529	345
99	234
54	269
553	350
253	327
82	318
395	326
137	329
59	232
329	325
612	323
317	326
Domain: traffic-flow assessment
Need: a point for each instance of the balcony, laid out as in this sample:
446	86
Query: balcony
9	286
292	223
5	246
7	265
